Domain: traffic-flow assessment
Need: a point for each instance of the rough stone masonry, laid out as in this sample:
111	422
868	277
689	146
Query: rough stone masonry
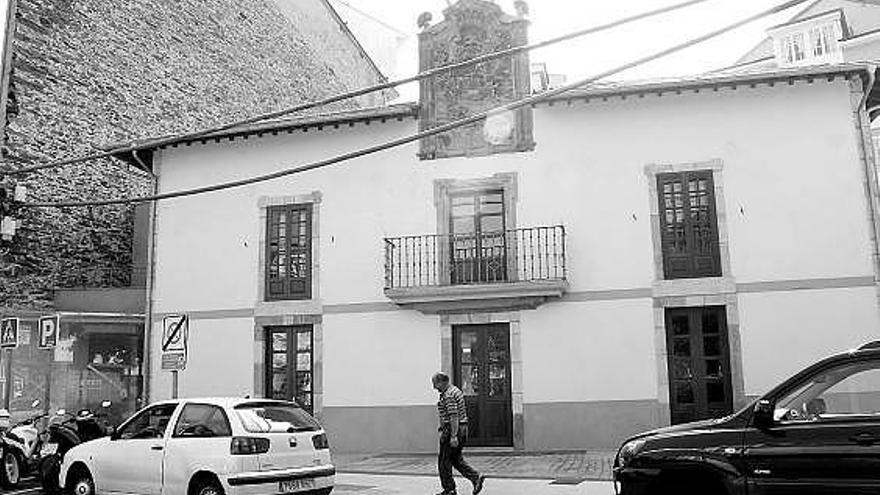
88	73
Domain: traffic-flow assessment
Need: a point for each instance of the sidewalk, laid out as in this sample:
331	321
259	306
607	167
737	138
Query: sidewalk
563	467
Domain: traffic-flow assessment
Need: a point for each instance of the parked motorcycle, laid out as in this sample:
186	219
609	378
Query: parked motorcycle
18	447
65	431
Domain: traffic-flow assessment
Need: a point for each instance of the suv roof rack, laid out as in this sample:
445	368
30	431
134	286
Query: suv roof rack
874	344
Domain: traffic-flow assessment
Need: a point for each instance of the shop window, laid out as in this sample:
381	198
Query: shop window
290	364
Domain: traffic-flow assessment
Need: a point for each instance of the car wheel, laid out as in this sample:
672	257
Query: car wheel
207	487
10	470
81	483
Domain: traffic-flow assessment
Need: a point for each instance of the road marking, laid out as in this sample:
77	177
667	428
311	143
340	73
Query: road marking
26	490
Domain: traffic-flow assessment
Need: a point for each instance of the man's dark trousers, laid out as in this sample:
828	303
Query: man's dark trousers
451	457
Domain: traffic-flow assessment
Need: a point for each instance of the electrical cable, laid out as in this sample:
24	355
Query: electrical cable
429	132
358	92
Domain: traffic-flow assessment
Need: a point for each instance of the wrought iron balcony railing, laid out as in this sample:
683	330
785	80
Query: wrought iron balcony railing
520	255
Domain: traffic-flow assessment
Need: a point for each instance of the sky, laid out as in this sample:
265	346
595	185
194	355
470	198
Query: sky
596	53
604	51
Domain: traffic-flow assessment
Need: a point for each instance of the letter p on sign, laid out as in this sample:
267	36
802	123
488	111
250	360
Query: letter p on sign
49	326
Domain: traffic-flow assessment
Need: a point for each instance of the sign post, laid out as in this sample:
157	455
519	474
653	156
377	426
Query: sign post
8	341
175	334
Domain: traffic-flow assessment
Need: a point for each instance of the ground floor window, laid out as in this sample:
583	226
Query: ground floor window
289	364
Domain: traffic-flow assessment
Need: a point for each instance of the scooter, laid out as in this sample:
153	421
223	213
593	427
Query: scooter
65	431
18	447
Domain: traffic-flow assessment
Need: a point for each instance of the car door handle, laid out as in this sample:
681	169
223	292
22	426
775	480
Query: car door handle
156	447
863	439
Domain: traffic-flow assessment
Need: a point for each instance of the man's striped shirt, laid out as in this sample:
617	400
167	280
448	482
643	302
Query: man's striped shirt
452	403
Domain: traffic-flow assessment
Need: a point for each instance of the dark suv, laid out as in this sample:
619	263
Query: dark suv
817	433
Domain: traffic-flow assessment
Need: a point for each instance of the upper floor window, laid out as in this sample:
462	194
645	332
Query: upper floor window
688	225
814	41
794	48
478	242
289	252
823	40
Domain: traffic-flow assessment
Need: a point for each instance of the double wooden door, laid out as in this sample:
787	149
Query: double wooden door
482	371
699	363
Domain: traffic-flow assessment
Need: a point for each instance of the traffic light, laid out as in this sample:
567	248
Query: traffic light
10	196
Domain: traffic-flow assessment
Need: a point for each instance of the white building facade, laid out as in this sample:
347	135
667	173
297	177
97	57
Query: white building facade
639	255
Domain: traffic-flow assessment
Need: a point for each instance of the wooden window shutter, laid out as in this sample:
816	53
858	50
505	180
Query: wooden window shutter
688	225
288	267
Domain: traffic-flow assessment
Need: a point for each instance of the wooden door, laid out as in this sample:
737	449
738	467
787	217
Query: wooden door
482	371
699	363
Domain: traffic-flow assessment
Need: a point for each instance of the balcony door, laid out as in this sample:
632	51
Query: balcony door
478	245
482	371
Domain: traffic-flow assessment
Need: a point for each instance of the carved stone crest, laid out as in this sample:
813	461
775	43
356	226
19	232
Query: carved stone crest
471	28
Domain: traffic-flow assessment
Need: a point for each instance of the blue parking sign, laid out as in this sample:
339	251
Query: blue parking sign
48	332
9	333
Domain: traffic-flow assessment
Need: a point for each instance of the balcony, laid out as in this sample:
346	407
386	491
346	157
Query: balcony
476	272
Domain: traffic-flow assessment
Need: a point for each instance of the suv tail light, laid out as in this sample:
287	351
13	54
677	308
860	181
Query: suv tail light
249	445
320	441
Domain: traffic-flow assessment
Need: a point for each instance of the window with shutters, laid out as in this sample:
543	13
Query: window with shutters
688	225
289	252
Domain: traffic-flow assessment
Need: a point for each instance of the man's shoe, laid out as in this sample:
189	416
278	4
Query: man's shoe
444	492
478	485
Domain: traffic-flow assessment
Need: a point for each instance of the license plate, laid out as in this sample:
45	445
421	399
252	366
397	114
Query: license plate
290	486
48	449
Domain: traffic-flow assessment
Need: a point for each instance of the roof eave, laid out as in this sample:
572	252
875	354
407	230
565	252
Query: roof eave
732	80
144	149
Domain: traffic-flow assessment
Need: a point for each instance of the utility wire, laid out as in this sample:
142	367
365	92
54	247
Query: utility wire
358	92
429	132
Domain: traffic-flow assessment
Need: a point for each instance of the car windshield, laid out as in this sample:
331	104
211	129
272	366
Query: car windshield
275	417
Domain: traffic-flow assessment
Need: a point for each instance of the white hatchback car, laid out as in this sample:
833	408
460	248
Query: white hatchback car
216	446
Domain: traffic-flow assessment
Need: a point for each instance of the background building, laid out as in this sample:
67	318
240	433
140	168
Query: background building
80	75
610	260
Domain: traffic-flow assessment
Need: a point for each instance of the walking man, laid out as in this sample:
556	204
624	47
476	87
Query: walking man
453	435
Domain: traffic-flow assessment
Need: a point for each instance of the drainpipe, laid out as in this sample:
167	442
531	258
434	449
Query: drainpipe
872	78
870	170
146	368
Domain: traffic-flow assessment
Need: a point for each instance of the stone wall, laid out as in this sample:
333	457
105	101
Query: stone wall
88	73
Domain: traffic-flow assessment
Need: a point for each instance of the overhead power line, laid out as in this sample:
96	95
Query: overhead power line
358	92
429	132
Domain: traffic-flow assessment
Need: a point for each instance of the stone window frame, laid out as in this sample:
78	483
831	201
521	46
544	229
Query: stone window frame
447	321
444	189
261	327
290	306
290	312
693	292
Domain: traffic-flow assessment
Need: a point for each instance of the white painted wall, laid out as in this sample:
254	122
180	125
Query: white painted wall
794	211
589	351
793	192
783	332
220	360
380	359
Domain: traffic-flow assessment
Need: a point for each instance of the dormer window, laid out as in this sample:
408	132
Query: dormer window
809	41
823	39
794	48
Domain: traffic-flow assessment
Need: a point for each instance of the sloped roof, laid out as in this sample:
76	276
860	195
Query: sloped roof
597	90
860	17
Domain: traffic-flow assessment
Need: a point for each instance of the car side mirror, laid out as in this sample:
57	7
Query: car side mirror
114	433
762	414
